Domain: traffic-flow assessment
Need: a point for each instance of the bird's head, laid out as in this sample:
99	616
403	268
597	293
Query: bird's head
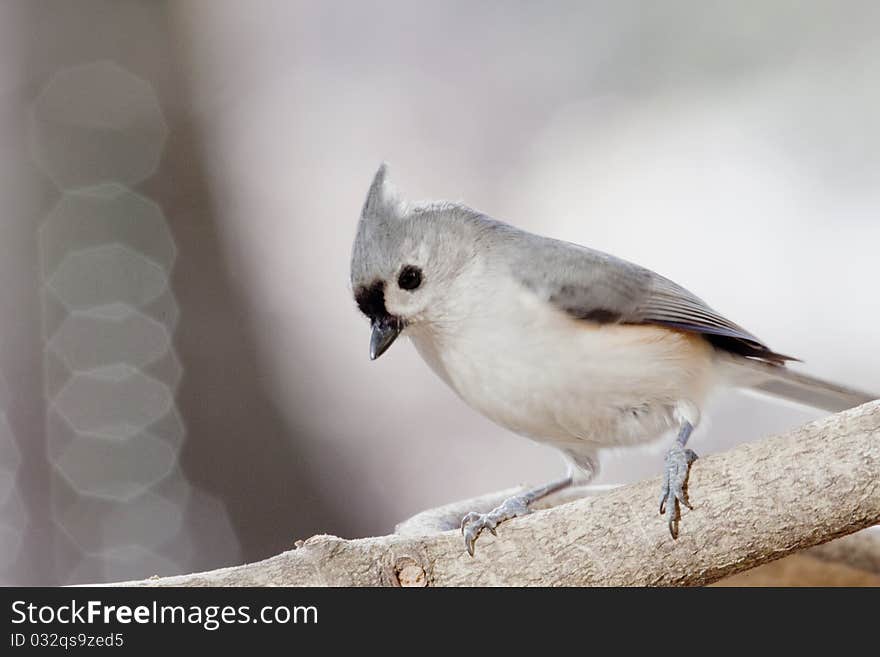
405	261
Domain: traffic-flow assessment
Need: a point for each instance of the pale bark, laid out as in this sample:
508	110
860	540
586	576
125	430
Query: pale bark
752	505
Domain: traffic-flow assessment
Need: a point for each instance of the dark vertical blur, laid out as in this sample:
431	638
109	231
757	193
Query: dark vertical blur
27	532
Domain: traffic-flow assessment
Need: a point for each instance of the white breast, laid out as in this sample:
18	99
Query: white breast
533	369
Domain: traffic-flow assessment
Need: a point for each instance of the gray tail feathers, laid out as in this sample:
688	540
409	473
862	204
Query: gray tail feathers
779	381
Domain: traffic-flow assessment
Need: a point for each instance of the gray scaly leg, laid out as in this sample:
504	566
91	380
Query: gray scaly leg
675	474
473	524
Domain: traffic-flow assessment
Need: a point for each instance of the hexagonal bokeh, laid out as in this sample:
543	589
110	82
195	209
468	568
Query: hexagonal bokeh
117	401
104	275
110	214
109	335
96	123
115	469
169	428
164	309
60	434
96	526
148	521
106	255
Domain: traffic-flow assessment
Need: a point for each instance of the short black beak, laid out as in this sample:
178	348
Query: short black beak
385	331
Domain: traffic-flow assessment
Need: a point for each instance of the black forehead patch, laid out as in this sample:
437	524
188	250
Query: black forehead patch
371	300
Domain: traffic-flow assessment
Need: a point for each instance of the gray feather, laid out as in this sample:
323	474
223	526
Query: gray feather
598	287
794	386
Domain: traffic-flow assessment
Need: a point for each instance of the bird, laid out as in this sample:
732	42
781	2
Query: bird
566	345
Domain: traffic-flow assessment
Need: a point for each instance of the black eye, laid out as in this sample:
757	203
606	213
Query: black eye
410	278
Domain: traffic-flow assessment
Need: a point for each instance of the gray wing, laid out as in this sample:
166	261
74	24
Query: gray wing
598	287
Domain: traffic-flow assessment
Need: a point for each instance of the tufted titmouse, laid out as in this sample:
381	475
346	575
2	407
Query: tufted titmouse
554	341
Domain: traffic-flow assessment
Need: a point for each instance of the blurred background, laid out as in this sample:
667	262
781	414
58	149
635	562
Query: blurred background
184	379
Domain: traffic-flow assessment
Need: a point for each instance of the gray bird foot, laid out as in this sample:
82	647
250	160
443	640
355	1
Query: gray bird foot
473	524
678	463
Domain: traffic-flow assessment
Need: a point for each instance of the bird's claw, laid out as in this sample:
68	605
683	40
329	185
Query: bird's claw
473	524
675	474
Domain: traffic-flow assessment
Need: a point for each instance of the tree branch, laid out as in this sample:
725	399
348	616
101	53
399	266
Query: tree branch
752	505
